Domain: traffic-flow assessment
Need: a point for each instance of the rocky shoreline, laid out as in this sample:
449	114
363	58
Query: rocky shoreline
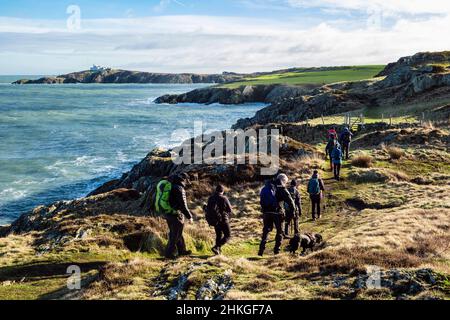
243	94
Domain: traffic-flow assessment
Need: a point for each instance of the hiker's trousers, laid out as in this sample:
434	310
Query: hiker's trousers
337	170
223	232
345	149
315	205
271	220
176	239
292	217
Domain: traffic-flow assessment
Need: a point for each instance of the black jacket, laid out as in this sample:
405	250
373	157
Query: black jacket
222	203
297	198
283	196
177	198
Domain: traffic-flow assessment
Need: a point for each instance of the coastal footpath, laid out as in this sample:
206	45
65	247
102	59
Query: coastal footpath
390	210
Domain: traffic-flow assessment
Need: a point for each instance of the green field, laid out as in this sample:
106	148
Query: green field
355	73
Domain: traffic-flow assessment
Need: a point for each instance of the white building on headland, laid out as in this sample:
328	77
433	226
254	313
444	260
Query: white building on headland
96	68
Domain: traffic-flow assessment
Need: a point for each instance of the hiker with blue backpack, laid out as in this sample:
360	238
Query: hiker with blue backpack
345	139
336	155
273	196
315	190
329	148
172	205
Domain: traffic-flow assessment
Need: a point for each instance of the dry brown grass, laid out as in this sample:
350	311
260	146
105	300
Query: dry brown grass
362	160
303	165
376	175
15	249
126	277
394	152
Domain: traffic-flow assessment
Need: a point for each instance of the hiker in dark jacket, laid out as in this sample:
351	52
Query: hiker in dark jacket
336	155
273	197
315	189
329	148
220	205
293	215
175	222
345	138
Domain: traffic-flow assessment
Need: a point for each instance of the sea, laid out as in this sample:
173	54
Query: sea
59	142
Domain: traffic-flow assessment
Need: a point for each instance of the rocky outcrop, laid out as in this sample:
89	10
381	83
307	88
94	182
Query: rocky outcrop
324	102
243	94
418	60
124	76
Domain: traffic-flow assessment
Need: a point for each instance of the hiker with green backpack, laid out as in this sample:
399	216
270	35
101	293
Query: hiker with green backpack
171	203
315	190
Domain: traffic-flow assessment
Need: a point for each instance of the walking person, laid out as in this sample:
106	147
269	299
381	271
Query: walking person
293	216
332	133
315	190
218	212
272	199
336	155
345	139
329	148
171	202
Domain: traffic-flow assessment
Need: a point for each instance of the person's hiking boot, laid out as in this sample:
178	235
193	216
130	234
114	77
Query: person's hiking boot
185	253
216	250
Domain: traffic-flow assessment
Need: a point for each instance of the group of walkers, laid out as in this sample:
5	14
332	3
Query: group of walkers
280	203
337	148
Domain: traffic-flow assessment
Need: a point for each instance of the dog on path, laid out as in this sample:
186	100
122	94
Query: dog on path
305	241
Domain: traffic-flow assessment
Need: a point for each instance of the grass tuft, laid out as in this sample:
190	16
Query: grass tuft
362	160
394	152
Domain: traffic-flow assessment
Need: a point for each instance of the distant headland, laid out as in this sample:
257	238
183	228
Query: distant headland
98	74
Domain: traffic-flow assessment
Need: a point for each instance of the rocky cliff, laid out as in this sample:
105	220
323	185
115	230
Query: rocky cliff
243	94
123	76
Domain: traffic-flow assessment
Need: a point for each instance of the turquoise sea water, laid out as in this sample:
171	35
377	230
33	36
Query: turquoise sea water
59	142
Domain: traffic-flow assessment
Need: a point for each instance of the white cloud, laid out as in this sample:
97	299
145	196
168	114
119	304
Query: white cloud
208	44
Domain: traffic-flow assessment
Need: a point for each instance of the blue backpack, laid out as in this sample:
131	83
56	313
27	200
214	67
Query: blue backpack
268	200
314	186
336	154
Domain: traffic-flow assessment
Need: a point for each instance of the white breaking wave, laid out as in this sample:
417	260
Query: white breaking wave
13	194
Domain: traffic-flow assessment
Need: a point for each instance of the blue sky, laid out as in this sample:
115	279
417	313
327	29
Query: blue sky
40	37
51	9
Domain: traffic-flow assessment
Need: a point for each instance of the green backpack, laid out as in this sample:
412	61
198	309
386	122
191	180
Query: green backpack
162	204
